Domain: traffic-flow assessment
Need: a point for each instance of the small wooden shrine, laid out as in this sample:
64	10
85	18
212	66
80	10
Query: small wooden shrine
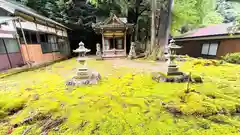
114	33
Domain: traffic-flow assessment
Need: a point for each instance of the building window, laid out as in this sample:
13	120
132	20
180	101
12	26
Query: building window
63	45
119	43
43	38
20	36
2	47
11	45
107	44
46	48
209	49
52	40
31	37
49	43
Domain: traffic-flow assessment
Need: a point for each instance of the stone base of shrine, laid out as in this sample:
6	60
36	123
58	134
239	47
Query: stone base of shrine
99	58
92	79
114	53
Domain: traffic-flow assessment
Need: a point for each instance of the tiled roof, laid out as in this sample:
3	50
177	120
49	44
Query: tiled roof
12	7
109	23
212	30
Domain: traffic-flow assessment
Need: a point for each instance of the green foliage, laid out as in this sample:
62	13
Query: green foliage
213	18
75	14
190	13
232	58
229	10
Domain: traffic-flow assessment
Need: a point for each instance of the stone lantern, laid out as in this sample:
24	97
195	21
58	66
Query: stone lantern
172	66
82	71
132	53
98	52
84	76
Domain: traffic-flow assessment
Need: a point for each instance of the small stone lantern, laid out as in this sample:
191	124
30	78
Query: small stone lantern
81	50
132	53
172	67
98	52
84	76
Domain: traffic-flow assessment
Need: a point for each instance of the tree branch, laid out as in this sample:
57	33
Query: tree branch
145	9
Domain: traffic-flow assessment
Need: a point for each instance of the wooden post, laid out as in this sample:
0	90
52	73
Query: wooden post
25	41
7	53
125	42
50	42
114	44
103	43
19	43
153	27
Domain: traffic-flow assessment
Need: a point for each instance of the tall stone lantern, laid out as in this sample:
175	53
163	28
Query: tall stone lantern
172	66
84	76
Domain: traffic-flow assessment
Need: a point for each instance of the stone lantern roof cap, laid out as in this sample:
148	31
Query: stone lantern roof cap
81	48
173	45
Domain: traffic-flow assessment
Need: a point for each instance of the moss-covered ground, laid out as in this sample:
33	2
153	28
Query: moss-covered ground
126	102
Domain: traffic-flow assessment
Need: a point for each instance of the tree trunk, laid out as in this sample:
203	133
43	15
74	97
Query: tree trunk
137	5
164	24
153	28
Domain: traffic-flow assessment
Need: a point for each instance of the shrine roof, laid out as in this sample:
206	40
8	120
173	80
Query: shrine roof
113	22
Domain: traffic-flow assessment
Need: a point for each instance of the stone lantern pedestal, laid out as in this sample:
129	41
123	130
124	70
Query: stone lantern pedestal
172	66
84	75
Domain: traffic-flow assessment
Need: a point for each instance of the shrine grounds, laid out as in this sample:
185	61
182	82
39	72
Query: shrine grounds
125	102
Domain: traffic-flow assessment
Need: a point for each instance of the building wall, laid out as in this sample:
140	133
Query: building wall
194	48
35	53
4	62
10	55
7	30
16	59
228	46
190	48
27	25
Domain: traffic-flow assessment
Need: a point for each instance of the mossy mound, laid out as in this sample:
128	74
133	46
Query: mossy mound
161	77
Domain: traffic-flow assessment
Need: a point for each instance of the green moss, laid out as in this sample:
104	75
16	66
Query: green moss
3	114
126	101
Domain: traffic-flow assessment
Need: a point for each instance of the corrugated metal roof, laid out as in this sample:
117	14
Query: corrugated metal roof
12	7
4	19
212	30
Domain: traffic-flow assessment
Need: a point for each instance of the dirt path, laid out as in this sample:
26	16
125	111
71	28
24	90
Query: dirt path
147	66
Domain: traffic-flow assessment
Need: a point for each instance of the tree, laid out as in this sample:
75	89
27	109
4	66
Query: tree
163	26
132	9
236	27
227	10
73	13
190	13
153	27
213	18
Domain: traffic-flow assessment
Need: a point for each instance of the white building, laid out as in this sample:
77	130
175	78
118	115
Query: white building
37	38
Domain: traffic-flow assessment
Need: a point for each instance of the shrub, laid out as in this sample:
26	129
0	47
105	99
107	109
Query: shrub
232	58
206	62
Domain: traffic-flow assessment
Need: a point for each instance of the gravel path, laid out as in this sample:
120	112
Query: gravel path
146	66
